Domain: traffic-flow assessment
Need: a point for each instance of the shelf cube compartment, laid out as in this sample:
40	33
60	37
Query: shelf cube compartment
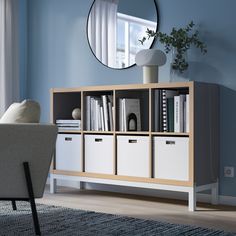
171	158
99	154
68	152
64	104
133	156
132	101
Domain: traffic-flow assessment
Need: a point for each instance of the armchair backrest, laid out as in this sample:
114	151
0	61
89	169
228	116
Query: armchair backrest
32	143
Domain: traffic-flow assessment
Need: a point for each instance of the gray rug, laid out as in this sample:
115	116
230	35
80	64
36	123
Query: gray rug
63	221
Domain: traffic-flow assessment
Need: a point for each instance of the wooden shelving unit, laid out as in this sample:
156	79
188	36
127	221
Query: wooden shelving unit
200	143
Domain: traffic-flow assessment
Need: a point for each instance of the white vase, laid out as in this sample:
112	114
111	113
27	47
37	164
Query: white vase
176	75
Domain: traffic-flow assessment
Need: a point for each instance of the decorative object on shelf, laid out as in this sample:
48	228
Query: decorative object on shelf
150	60
177	74
179	41
128	106
132	122
76	114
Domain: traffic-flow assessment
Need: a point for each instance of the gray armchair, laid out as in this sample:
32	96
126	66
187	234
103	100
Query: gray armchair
25	155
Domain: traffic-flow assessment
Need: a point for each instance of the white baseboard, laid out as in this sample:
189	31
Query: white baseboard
201	197
227	200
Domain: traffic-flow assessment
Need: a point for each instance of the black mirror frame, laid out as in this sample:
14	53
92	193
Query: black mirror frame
153	42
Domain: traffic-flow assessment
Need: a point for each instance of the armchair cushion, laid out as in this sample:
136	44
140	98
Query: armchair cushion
28	111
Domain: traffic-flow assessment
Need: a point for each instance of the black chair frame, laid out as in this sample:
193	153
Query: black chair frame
31	198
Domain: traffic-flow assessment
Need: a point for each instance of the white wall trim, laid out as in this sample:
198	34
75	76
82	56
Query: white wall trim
201	197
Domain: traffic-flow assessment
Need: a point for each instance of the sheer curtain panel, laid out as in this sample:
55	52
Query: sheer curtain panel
9	61
102	30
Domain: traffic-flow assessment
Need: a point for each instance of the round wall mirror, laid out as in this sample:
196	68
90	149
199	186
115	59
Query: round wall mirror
115	27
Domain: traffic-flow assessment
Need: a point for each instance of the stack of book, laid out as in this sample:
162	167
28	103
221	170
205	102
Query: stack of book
171	111
68	125
99	113
128	106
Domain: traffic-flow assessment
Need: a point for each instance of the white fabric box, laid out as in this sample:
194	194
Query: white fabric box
171	158
133	156
99	154
68	152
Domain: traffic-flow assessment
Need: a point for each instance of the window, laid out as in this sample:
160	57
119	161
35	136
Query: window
129	30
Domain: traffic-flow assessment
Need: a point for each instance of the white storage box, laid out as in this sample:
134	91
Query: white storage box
99	154
133	156
68	152
171	158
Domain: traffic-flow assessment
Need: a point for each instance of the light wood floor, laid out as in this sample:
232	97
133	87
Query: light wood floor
220	217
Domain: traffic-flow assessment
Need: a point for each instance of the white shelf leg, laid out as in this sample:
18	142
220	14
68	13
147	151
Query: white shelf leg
192	199
81	185
215	193
53	185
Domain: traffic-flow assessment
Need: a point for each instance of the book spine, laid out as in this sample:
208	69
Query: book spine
88	113
184	119
160	112
104	101
181	111
110	115
123	115
92	114
170	114
156	110
164	111
187	113
68	128
68	125
139	123
102	118
120	114
176	114
96	115
67	121
125	119
99	116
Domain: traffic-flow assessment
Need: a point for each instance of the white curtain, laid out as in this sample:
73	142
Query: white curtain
9	62
102	30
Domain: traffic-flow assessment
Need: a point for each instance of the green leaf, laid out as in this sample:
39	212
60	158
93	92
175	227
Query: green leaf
180	39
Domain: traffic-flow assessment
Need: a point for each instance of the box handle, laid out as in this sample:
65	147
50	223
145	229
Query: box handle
98	140
169	142
133	141
68	139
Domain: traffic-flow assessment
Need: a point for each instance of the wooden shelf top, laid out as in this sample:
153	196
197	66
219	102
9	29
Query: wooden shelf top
125	87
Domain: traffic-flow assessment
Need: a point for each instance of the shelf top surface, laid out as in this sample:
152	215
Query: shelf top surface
173	85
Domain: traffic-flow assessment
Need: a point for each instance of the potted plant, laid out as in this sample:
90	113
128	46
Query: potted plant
179	42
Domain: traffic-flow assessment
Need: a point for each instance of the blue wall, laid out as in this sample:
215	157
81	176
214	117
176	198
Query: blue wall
59	56
23	47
